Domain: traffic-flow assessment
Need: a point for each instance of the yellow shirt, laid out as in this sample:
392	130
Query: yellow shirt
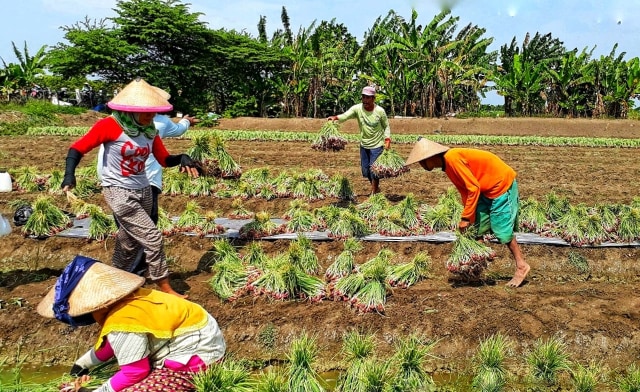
150	311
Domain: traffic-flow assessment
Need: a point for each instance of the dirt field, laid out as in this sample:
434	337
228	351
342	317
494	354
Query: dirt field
596	314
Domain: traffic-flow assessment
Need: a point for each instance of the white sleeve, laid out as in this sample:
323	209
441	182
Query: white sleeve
167	128
129	347
88	360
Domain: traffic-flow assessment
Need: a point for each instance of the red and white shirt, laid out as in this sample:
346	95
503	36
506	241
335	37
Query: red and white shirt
124	157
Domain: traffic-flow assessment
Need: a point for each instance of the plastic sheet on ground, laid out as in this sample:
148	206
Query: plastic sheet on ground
80	229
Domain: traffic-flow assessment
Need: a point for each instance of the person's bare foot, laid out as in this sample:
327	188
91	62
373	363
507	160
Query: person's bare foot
519	276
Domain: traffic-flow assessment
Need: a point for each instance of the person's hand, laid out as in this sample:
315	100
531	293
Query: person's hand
68	182
76	385
332	118
189	166
192	120
463	225
192	171
387	143
77	371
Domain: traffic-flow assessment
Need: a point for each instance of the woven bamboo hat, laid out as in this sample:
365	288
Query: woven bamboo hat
101	286
140	97
162	93
424	149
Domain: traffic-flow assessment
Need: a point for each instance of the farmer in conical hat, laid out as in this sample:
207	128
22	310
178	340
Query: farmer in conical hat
159	340
129	138
166	127
488	188
375	133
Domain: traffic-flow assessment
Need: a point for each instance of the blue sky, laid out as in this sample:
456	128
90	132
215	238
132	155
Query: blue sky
578	23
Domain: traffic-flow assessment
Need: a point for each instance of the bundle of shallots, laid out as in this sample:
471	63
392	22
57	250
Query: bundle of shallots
469	257
389	164
329	138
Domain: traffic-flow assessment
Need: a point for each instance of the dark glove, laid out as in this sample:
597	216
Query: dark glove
73	159
77	371
183	160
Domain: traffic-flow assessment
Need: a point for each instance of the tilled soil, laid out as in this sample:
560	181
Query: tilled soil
596	313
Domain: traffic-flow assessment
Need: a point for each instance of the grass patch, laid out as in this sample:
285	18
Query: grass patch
268	336
579	262
34	113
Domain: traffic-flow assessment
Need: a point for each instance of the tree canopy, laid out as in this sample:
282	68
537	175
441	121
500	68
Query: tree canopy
419	67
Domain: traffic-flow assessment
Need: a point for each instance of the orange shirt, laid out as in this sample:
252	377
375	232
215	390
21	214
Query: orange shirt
475	172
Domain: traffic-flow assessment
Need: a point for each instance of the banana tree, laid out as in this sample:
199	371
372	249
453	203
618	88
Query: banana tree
541	51
571	84
383	64
616	84
422	52
465	69
303	63
623	86
30	68
523	85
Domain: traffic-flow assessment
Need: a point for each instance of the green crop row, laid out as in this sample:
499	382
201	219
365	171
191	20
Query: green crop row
302	136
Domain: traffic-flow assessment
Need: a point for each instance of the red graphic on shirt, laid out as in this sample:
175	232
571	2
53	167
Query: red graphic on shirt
133	158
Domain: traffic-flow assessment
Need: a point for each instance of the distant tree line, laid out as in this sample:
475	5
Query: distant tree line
420	69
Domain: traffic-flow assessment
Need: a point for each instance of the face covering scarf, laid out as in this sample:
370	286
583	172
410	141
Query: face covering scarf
131	127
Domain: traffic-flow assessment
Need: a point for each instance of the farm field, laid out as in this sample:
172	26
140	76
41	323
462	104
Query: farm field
596	313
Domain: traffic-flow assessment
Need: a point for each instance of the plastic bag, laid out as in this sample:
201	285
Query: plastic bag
5	226
22	215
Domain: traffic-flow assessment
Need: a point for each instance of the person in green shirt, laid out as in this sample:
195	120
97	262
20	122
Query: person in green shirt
375	133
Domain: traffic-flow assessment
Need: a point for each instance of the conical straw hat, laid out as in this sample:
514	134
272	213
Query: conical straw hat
101	286
162	93
140	97
424	149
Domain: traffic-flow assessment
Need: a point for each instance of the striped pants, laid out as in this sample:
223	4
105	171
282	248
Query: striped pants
132	208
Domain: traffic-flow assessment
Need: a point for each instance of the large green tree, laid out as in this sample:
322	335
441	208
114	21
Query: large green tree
421	68
169	46
94	48
159	40
242	75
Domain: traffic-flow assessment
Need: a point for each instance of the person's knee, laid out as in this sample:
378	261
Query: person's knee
504	239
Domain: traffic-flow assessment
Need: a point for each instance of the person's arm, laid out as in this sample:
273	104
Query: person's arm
132	352
188	165
103	131
468	186
71	162
384	121
85	363
130	374
167	128
351	113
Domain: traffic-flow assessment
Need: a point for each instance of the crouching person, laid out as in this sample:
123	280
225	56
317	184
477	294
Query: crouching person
159	340
489	192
